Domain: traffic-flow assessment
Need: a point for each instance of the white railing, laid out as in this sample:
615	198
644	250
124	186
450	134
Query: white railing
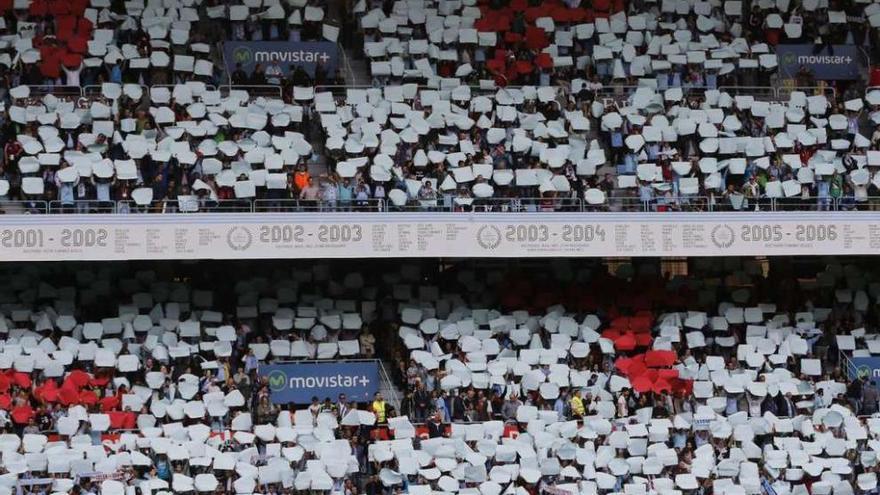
389	386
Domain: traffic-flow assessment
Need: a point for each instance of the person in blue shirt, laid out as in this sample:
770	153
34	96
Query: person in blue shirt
115	74
163	469
440	405
559	407
345	194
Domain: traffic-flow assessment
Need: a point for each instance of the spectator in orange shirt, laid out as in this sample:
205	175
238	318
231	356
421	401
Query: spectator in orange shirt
301	178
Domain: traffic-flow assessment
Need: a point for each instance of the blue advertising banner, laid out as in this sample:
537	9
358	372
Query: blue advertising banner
289	54
865	366
836	62
299	382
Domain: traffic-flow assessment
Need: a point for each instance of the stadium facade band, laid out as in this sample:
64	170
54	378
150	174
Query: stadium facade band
298	383
456	235
287	53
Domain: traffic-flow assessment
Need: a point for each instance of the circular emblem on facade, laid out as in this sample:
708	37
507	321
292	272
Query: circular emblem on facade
489	237
723	236
239	238
242	55
277	380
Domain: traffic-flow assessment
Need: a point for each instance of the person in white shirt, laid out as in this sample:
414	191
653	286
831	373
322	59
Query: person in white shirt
72	75
274	74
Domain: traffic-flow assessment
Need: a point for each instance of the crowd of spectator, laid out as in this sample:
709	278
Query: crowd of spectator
161	371
491	105
121	378
695	384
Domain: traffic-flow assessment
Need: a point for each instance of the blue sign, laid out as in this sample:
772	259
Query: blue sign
834	63
299	382
865	366
289	55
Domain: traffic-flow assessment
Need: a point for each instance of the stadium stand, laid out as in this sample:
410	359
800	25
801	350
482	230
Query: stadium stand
489	106
196	148
119	378
139	377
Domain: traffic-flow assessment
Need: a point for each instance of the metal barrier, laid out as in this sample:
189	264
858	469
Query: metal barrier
527	205
71	92
267	91
619	204
184	206
385	377
300	205
94	91
611	92
866	203
783	92
665	204
763	93
797	203
622	204
82	206
10	207
848	366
